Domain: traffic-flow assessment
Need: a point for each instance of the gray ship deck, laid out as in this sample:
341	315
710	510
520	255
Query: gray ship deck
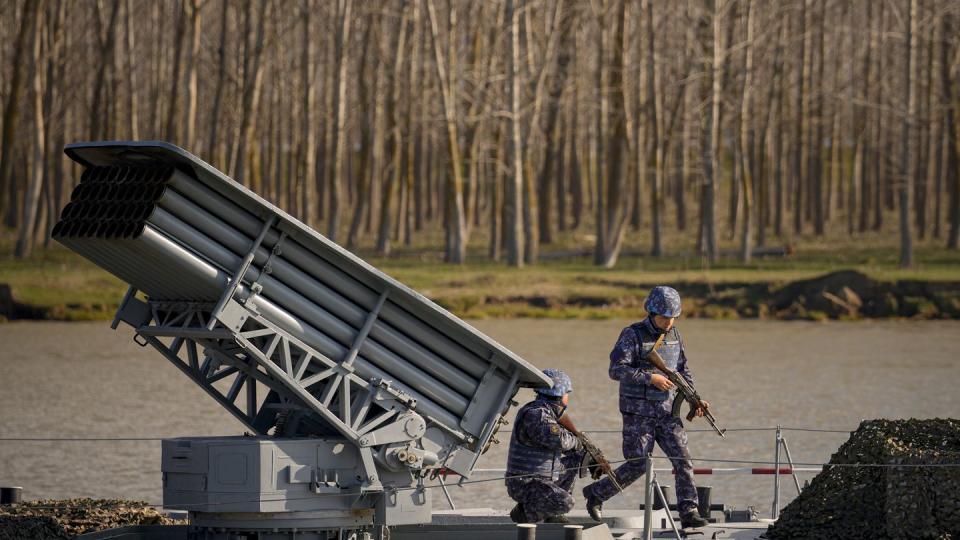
488	524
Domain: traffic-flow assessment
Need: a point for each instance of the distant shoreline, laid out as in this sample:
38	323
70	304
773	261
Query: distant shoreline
840	295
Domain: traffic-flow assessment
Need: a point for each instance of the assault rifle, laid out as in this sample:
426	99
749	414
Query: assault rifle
685	392
593	451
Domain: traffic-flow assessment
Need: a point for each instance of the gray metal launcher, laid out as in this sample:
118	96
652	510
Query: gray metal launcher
354	387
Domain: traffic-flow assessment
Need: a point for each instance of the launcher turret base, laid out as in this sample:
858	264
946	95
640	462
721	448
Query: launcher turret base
266	484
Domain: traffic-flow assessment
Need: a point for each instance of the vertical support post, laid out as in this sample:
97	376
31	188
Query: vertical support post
526	531
663	498
572	532
131	291
793	470
11	495
775	513
648	500
238	276
446	493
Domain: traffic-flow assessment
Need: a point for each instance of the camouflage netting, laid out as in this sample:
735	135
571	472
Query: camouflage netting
53	519
883	502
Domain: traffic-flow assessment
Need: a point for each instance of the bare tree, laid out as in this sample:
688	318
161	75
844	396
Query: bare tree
514	193
11	108
133	104
344	18
252	78
952	141
215	120
456	244
907	141
196	24
31	198
308	178
173	125
709	189
746	138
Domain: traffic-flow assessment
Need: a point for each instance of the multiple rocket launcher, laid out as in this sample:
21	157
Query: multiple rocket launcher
230	288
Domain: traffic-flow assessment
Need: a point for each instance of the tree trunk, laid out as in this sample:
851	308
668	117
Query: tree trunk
31	198
746	140
513	226
456	245
496	193
861	128
617	213
106	53
713	170
215	120
171	133
560	54
11	108
816	142
344	18
951	142
879	164
413	180
654	100
777	157
53	105
682	157
253	75
308	178
799	169
908	148
196	23
935	138
396	115
132	88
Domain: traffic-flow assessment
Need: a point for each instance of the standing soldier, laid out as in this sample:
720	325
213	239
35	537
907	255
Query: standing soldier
645	403
544	456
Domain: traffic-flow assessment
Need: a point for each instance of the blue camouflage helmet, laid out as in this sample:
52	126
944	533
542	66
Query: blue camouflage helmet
561	383
664	301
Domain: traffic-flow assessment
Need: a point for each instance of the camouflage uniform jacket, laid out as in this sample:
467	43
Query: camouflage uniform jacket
627	364
538	439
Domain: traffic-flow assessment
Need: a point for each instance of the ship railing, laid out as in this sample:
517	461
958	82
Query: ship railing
782	464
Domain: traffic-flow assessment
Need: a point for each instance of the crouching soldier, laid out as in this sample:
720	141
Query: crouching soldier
646	397
544	456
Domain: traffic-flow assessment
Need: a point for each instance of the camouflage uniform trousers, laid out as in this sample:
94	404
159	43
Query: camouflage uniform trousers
541	497
639	434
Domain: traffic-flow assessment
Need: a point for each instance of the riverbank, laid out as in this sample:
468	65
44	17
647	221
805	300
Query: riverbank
811	281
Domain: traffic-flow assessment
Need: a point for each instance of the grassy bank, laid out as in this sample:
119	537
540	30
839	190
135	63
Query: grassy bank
57	284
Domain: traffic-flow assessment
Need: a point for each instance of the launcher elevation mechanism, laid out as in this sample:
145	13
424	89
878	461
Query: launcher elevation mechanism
353	386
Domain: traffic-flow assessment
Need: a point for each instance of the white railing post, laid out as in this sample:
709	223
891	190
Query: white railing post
776	474
648	500
793	470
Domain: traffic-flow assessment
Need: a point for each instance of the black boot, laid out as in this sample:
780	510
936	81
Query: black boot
517	515
559	518
692	520
594	506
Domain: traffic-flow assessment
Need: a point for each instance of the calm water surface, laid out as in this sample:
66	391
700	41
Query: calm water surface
84	380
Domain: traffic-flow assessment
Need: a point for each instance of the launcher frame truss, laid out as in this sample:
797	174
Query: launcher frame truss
242	348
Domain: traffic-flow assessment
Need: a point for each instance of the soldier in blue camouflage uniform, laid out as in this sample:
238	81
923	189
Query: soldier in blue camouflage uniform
544	456
646	397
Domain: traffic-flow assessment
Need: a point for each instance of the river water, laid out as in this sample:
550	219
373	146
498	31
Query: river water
84	380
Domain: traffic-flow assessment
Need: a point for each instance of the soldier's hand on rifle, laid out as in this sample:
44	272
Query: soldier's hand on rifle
661	382
702	409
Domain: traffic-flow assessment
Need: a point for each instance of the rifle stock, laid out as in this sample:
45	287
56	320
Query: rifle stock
591	449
